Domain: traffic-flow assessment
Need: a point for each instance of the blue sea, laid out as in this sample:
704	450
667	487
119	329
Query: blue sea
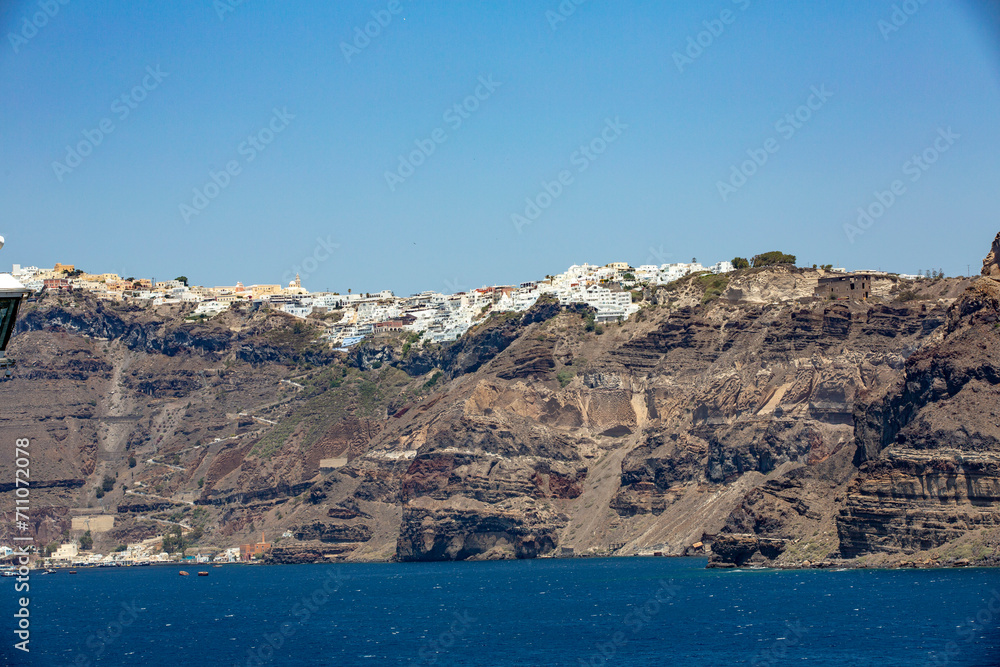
626	611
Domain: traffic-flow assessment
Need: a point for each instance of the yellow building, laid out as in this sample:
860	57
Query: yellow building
619	266
295	287
263	290
63	268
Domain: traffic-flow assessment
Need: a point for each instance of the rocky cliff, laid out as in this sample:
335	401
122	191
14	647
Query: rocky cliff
923	485
737	411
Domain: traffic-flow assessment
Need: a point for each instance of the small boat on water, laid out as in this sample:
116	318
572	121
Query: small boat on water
203	574
216	566
183	573
72	571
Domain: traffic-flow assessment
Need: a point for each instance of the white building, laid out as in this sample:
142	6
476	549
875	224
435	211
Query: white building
66	552
672	272
211	308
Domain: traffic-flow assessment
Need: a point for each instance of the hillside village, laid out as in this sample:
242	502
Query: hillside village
349	318
614	291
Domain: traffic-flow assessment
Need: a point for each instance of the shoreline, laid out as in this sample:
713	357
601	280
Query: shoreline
826	565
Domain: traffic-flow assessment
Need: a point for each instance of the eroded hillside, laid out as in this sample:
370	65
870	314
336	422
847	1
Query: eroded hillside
740	406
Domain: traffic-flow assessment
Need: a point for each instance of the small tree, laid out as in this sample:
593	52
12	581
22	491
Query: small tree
173	541
741	263
772	258
86	542
182	279
131	462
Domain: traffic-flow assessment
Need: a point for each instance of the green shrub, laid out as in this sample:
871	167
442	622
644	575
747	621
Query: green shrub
433	379
772	258
714	286
86	542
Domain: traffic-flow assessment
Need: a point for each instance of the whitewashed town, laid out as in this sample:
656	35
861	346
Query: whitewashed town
441	317
76	553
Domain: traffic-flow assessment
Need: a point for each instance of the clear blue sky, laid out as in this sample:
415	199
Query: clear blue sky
652	195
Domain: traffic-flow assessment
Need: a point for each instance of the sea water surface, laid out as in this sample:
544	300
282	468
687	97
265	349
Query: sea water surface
624	611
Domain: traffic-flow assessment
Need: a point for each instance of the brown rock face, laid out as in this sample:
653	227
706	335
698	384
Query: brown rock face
747	415
929	446
991	265
515	530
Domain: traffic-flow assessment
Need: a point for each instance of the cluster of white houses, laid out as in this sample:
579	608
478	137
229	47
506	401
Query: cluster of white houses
140	553
441	317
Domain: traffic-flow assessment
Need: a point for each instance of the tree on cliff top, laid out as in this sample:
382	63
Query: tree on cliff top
741	263
772	258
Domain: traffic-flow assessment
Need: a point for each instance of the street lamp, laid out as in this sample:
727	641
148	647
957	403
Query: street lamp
11	294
